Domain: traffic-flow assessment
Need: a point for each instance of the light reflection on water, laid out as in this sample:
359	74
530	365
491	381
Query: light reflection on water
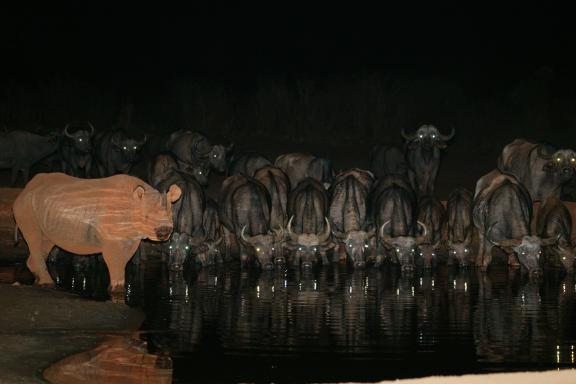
341	324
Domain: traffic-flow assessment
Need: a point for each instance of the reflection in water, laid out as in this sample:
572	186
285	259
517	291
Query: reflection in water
341	324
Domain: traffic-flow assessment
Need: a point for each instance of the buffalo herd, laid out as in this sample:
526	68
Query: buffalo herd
296	211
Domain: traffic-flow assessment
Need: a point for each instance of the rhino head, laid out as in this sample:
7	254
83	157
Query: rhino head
153	211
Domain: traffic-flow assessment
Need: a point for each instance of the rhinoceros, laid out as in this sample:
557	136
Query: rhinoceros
86	216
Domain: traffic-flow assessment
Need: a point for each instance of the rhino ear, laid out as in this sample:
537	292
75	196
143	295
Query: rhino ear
174	193
138	192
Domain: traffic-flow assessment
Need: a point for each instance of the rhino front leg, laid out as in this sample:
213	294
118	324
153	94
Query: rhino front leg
116	255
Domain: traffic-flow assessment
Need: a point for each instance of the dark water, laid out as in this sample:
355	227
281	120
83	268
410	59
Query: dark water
336	324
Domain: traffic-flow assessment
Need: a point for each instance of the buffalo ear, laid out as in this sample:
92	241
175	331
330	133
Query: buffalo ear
174	193
138	192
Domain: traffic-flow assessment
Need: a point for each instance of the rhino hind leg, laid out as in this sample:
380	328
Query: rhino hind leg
39	250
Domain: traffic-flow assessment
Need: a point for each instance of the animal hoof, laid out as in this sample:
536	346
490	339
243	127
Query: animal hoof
118	297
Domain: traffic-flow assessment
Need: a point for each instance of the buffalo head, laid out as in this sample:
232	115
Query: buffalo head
357	245
266	247
403	247
528	249
128	148
309	245
561	162
427	136
81	139
462	251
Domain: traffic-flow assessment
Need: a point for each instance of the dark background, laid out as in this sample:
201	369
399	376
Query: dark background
328	80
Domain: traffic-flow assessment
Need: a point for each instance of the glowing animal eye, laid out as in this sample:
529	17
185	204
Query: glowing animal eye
272	248
412	250
466	250
349	245
420	136
572	159
523	253
366	245
186	247
397	249
433	136
170	247
257	249
563	257
199	172
433	254
300	248
421	254
213	155
79	139
135	147
558	159
124	148
314	249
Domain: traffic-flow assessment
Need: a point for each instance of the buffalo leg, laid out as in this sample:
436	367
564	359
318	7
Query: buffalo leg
324	258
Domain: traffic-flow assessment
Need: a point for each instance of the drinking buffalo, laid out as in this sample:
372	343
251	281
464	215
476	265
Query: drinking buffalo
244	205
76	151
247	164
299	166
308	227
541	168
394	209
554	220
431	212
502	213
460	227
109	216
349	215
19	150
115	152
187	218
423	155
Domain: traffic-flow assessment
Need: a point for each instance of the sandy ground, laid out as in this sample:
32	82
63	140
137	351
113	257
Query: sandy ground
567	376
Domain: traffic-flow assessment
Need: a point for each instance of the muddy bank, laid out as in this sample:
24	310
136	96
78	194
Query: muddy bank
41	326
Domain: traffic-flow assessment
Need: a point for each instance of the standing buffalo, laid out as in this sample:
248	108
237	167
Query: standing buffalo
542	169
388	160
187	218
109	216
19	150
554	220
423	155
349	215
308	227
244	205
193	147
76	151
247	164
212	232
116	153
394	209
460	227
431	212
502	213
299	166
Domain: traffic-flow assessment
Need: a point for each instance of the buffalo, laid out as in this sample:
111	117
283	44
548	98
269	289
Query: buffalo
423	156
431	212
502	214
460	227
554	220
299	166
541	168
76	151
115	152
349	215
247	164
